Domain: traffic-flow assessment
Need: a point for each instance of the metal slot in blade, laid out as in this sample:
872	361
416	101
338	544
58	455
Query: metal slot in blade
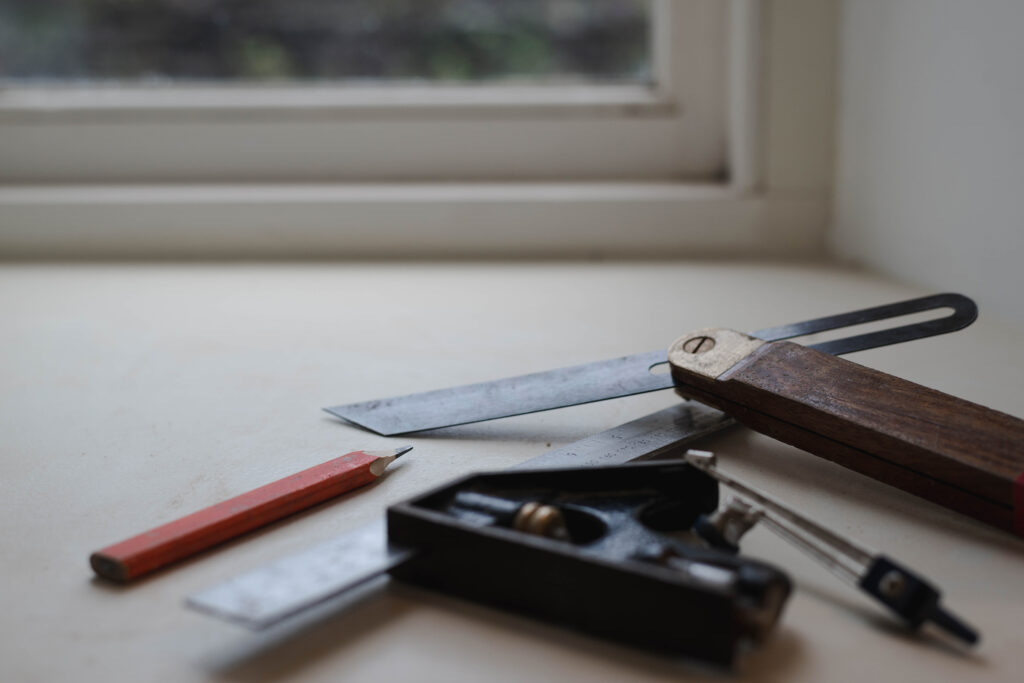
964	313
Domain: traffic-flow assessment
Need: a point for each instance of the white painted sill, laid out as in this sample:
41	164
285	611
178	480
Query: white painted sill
237	104
493	220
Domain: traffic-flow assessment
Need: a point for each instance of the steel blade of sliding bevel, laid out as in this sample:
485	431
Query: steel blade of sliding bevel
626	375
265	596
531	393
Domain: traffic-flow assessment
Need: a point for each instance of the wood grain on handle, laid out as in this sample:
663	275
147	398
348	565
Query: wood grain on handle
953	452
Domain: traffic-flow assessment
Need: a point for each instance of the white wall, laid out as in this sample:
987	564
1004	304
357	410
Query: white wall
930	175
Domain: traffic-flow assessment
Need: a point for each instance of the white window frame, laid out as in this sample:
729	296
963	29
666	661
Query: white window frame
672	128
454	210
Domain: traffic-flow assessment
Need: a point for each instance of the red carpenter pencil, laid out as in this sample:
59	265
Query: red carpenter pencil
200	530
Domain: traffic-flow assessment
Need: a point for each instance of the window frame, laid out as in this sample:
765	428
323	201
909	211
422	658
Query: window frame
672	128
774	202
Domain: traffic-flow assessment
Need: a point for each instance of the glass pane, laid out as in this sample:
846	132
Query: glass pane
396	40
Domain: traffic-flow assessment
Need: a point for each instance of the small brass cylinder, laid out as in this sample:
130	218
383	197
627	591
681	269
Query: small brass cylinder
541	520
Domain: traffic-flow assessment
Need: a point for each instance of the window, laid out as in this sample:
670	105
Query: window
310	40
165	91
714	139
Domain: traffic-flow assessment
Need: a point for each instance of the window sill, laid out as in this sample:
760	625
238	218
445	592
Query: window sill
521	220
36	104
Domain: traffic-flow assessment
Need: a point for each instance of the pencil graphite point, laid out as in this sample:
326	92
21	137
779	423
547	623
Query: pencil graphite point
385	458
390	453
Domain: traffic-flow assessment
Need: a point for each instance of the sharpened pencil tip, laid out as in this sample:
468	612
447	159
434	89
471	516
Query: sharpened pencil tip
390	453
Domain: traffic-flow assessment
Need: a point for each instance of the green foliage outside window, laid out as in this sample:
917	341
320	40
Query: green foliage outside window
443	40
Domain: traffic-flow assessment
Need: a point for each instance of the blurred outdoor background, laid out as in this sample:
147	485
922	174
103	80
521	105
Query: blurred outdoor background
399	40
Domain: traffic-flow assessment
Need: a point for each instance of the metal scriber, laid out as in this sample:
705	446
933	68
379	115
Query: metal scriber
903	591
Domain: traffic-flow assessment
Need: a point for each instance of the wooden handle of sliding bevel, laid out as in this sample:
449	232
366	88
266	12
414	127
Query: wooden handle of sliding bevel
953	452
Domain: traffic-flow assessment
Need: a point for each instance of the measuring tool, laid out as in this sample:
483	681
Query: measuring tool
642	554
955	453
588	548
266	596
627	375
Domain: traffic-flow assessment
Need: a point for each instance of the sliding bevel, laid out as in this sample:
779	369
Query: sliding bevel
955	453
627	375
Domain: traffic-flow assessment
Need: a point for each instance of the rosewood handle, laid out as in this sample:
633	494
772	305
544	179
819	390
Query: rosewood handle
950	451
